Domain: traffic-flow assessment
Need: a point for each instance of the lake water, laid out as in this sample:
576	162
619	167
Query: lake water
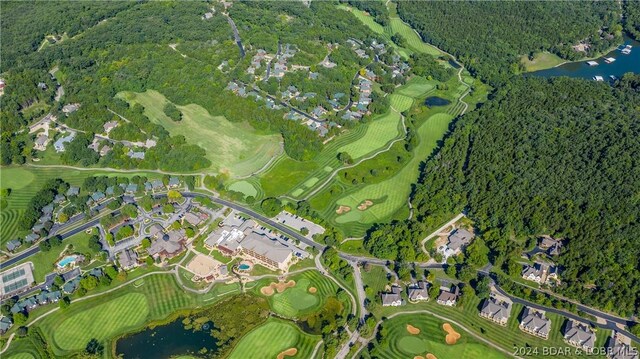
165	341
436	101
622	65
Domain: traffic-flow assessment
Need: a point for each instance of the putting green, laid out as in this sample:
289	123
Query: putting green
412	345
244	187
102	322
328	169
297	192
236	148
294	300
416	87
272	338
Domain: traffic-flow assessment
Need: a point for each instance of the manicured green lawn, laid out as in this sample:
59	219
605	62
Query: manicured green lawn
380	131
298	301
245	187
102	321
272	338
393	193
416	87
124	310
236	148
414	41
286	174
541	61
431	339
400	103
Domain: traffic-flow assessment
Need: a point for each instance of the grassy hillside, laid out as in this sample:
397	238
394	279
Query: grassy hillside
234	148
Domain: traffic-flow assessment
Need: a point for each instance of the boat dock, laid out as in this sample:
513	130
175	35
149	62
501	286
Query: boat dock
592	63
609	60
598	78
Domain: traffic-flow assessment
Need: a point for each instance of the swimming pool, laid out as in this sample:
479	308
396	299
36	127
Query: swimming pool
244	266
66	260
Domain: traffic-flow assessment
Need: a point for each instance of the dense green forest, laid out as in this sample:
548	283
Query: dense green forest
490	37
557	157
632	18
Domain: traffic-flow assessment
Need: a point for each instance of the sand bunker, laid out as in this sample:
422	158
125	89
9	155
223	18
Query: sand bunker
452	336
313	290
412	330
431	356
289	352
418	357
268	290
364	205
343	209
279	287
428	356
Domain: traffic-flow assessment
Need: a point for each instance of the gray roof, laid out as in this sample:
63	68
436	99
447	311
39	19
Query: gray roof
448	295
127	258
13	244
264	246
579	334
73	191
131	187
393	296
32	237
155	229
48	209
496	309
418	291
536	322
535	270
458	238
174	181
619	350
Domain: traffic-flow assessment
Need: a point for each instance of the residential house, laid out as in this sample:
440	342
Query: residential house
157	185
496	309
72	285
5	325
448	296
59	198
97	196
174	182
137	155
104	150
59	144
418	292
70	108
618	347
73	191
534	322
194	219
109	126
392	298
41	142
31	237
579	335
13	244
536	272
128	259
131	188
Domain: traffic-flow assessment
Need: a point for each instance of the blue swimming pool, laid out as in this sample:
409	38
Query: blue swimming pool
244	266
66	260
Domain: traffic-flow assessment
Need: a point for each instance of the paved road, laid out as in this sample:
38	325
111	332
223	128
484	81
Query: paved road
33	250
611	321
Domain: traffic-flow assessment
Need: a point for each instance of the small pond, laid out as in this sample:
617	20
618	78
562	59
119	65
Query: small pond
436	101
166	341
